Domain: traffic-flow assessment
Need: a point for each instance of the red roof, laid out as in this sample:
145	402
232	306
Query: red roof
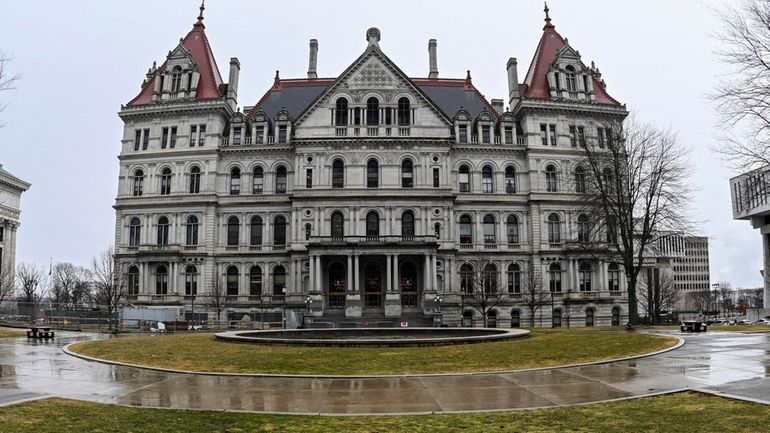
210	81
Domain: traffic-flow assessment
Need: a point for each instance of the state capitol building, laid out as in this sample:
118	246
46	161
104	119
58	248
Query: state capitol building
371	196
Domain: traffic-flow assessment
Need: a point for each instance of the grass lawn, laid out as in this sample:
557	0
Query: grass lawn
746	329
684	412
11	334
202	352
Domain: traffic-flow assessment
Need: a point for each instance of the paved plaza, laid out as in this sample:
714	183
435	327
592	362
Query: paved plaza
737	364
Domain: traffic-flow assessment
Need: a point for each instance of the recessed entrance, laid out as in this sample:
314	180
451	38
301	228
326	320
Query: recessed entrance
337	285
372	285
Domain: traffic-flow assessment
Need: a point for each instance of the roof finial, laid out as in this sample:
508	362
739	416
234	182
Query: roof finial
200	15
548	24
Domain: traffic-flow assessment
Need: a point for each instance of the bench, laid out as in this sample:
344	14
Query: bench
40	333
693	326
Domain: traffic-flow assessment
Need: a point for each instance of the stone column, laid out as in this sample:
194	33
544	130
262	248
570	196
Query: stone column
349	282
389	273
433	272
396	284
311	284
426	274
318	274
356	284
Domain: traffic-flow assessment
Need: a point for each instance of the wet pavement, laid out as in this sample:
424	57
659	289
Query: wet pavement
737	364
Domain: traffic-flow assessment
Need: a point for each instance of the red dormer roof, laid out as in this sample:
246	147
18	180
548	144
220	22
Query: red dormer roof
197	44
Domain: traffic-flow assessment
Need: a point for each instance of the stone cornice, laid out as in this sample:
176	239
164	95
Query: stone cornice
174	108
13	181
571	107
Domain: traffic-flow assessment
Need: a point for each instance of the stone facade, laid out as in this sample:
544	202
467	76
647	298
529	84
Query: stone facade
369	196
11	189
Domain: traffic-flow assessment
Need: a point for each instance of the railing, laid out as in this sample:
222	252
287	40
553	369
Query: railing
373	239
751	193
520	141
403	132
341	132
498	139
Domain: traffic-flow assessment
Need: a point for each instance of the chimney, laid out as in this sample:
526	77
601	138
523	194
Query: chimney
313	61
232	84
498	105
513	82
432	59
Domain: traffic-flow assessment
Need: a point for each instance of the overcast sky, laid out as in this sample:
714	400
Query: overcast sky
81	59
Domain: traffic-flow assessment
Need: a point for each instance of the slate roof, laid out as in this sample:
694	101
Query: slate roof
294	95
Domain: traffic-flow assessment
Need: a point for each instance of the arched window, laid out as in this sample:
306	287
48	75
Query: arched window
514	278
515	319
235	181
165	181
372	174
161	280
466	229
279	230
138	183
338	174
195	180
489	229
134	232
551	184
615	316
583	228
308	231
372	111
580	180
258	181
232	281
613	277
338	226
407	174
464	179
176	79
163	231
255	237
487	185
404	113
512	229
466	278
571	79
554	229
133	281
510	180
279	281
372	224
280	180
554	277
191	228
191	281
233	231
341	112
556	319
255	281
490	278
590	317
584	277
407	225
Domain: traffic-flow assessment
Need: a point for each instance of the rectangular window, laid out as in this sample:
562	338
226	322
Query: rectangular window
552	136
485	134
356	116
164	140
260	138
137	138
172	139
201	135
573	136
236	136
388	116
508	135
600	137
436	178
1	233
146	139
544	134
193	134
581	136
309	178
463	134
282	134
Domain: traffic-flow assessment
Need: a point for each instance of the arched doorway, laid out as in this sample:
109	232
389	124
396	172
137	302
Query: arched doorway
372	285
408	284
337	285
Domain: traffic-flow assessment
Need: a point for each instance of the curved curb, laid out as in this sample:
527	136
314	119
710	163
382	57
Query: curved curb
67	350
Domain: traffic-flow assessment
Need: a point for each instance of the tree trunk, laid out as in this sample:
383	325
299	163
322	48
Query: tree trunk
633	310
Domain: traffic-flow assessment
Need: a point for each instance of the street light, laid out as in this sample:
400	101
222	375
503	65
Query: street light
308	302
283	290
437	299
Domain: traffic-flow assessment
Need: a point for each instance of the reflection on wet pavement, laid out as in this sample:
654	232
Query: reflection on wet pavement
733	363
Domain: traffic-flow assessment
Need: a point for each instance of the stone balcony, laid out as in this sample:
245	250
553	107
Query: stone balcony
751	194
378	240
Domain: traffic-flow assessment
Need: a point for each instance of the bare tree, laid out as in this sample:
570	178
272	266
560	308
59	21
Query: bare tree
704	301
109	283
533	294
7	79
7	282
31	281
70	284
743	97
636	190
217	297
657	294
482	289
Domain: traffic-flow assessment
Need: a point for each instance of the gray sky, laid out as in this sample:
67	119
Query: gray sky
81	59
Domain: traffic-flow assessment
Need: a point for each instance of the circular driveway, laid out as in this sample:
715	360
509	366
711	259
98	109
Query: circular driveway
737	364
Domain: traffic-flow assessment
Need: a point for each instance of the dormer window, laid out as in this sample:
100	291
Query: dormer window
176	79
341	112
372	112
485	134
463	134
571	79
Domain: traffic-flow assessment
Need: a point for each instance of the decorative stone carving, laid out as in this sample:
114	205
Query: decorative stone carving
372	75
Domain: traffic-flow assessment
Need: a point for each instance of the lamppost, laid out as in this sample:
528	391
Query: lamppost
308	302
283	321
437	299
192	313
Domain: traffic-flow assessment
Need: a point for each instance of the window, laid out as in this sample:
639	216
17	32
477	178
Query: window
193	133
404	112
590	317
235	181
137	138
581	136
466	230
195	180
237	136
515	319
486	180
161	280
556	319
162	237
485	134
601	137
279	281
407	174
279	230
615	316
437	230
612	236
338	225
407	225
512	229
233	231
141	138
490	278
282	131
341	112
489	229
462	133
573	139
372	112
372	224
554	278
544	134
191	230
255	237
232	281
514	279
580	180
466	278
309	178
280	180
372	174
552	134
165	181
169	138
510	180
436	178
571	79
145	139
388	116
509	135
255	281
138	183
258	181
608	179
260	135
134	232
356	116
584	277
551	184
338	174
191	281
176	79
613	277
201	135
464	179
308	231
554	229
133	281
583	229
548	134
